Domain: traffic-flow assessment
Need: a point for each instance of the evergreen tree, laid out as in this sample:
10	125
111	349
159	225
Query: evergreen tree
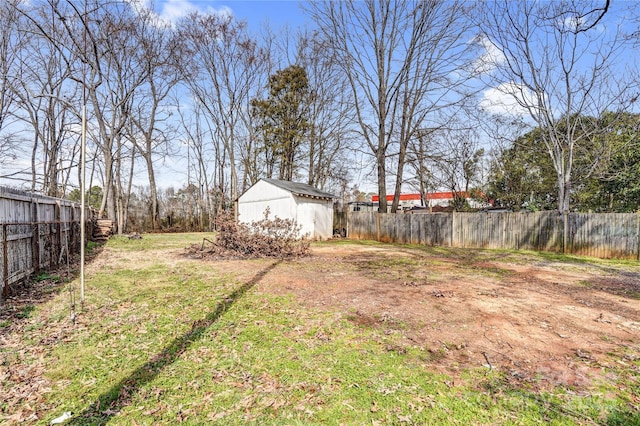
283	120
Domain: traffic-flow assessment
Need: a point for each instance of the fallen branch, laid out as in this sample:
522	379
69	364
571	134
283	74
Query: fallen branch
205	239
486	357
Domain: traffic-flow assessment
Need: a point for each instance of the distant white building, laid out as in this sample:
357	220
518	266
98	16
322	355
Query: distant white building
311	208
433	199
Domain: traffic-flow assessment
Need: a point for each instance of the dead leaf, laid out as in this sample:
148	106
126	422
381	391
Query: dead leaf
404	419
217	415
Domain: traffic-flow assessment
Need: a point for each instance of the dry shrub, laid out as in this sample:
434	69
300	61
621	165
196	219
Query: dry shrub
264	238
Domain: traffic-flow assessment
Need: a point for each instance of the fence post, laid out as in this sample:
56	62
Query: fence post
35	238
638	236
71	230
5	264
453	229
58	246
345	211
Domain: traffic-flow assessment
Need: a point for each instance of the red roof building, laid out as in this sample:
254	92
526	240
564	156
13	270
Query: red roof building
443	199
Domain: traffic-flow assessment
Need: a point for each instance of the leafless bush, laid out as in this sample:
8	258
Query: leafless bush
267	237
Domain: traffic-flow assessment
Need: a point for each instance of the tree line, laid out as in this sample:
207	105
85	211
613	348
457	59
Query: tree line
401	84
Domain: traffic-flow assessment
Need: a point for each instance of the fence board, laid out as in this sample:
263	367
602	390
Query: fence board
603	235
36	232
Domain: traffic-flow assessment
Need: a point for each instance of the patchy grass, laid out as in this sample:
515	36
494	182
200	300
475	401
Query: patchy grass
44	276
472	257
25	312
163	339
156	241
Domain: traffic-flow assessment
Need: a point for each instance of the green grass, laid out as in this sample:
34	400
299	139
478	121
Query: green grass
157	241
25	312
164	339
47	276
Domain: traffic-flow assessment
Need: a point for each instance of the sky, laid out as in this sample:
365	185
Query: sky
171	170
277	13
496	99
256	13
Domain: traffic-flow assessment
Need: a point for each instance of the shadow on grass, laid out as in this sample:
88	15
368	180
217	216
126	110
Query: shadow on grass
120	395
617	412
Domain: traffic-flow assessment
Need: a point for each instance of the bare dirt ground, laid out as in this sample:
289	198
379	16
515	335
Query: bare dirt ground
542	322
545	323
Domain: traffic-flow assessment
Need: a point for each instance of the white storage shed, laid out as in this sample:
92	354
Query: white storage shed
311	208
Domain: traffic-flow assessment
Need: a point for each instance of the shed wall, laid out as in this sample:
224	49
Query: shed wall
313	215
253	203
316	217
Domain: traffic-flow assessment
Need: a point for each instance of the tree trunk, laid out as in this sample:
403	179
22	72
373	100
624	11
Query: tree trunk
155	210
398	186
382	182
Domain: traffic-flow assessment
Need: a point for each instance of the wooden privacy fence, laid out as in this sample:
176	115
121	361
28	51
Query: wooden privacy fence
36	233
602	235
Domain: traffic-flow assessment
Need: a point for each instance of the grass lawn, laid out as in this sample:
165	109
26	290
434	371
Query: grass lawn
166	339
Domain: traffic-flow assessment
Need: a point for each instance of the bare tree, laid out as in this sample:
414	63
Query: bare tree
221	61
114	54
156	59
557	65
448	157
272	54
421	160
47	99
11	41
399	58
460	164
97	45
200	158
437	69
328	138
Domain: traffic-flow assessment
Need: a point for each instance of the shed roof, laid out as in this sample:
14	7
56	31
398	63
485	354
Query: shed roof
300	189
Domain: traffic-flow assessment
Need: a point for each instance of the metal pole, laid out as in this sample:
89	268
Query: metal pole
83	217
83	160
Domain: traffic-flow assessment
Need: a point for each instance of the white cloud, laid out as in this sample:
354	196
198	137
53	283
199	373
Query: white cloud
572	22
138	5
508	99
170	11
490	58
173	10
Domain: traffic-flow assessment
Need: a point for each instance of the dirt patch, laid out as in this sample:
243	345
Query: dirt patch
544	323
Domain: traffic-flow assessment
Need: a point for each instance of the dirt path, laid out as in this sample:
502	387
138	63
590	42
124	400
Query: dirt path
545	323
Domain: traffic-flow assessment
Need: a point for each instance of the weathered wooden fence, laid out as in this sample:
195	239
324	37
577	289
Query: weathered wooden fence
36	233
340	218
602	235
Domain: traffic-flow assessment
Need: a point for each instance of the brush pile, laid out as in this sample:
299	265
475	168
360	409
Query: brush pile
276	237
